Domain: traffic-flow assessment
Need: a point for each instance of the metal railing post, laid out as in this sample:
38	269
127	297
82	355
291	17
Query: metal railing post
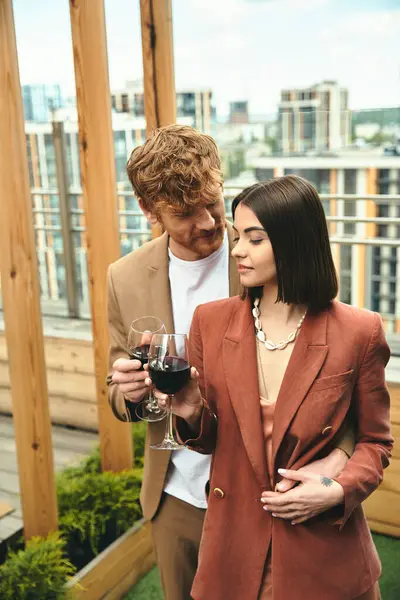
65	217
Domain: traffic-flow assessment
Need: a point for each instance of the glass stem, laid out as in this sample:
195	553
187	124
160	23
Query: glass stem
169	430
151	401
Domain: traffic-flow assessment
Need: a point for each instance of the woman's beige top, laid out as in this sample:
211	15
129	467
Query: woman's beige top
267	420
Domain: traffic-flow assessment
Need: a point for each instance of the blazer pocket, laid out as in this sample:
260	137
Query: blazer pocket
325	383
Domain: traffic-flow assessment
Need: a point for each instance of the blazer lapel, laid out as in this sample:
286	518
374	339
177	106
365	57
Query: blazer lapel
158	272
304	365
240	367
234	280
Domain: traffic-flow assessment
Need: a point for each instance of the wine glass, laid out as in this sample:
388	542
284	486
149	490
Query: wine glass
169	370
139	338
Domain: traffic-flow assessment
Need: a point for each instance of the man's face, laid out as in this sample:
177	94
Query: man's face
200	232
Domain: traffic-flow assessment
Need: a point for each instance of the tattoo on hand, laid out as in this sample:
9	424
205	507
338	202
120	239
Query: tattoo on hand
326	481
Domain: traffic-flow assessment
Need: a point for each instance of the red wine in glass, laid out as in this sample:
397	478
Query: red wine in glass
140	353
170	375
169	370
138	345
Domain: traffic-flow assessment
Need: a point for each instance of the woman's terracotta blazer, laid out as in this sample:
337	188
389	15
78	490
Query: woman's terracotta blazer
337	366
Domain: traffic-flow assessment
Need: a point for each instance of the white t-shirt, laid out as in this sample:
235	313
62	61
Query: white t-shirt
193	283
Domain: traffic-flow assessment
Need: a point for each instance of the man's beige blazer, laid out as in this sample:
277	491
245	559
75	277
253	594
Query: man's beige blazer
138	285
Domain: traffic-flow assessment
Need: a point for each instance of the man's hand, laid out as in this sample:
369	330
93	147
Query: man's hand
130	378
314	495
331	466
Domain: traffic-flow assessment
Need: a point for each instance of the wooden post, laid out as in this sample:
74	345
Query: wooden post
21	299
158	68
158	63
100	201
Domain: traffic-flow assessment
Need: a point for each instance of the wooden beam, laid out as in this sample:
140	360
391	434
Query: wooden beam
158	63
21	299
100	202
158	68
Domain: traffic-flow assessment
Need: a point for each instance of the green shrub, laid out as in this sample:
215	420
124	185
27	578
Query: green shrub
95	509
38	572
92	463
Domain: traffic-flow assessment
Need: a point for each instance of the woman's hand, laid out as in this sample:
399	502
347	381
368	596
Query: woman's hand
331	466
187	403
314	495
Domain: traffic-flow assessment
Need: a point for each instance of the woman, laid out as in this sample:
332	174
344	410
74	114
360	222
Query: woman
278	370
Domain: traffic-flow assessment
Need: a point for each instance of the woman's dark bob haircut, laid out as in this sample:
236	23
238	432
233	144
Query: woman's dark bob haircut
291	213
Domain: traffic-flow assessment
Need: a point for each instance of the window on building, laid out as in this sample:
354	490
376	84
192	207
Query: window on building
309	127
50	160
350	208
383	287
376	260
120	156
71	142
375	304
383	181
28	149
57	241
345	273
125	102
264	174
383	210
139	104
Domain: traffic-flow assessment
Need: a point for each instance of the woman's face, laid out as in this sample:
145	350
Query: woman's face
252	250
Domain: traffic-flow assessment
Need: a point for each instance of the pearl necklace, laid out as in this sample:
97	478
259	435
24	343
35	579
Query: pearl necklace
263	338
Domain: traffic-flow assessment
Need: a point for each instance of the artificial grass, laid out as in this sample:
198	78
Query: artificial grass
389	553
149	588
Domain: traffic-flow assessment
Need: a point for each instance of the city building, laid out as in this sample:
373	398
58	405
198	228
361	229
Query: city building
314	119
239	112
193	107
39	101
42	160
369	273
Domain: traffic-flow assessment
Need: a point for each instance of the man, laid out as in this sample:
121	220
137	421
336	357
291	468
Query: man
176	176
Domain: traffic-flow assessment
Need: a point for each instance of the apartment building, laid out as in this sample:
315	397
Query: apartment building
193	107
314	119
369	273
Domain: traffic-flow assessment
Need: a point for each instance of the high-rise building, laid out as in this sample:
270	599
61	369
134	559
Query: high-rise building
239	112
193	107
39	101
369	273
314	119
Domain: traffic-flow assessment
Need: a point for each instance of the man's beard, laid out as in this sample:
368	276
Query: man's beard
208	243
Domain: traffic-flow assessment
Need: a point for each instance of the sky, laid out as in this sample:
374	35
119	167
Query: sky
240	49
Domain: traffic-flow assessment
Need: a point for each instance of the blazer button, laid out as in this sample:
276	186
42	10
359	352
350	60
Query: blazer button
326	430
218	493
